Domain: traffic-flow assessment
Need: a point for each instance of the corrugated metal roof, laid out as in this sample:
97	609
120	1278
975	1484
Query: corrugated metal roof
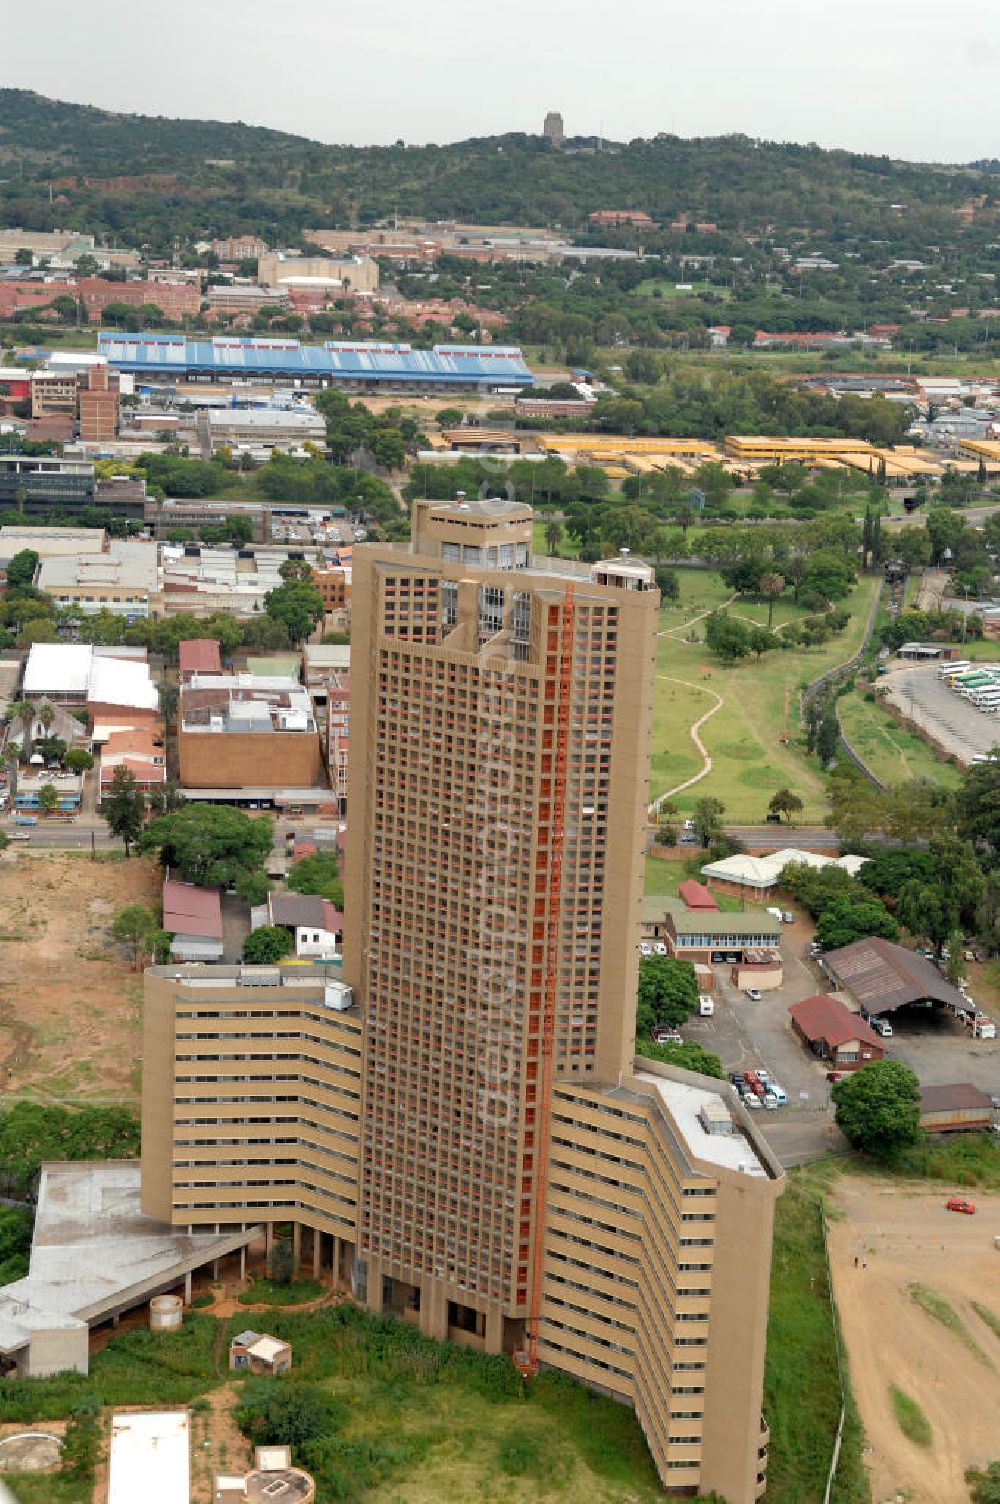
883	976
825	1017
349	361
189	910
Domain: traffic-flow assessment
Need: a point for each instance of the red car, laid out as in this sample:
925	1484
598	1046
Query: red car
959	1204
835	1075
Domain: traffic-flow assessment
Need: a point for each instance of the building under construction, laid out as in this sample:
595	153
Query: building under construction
459	1127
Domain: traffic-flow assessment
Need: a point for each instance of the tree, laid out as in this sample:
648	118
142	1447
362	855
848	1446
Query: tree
689	1056
21	569
784	802
668	583
849	919
48	798
977	802
668	992
925	911
727	636
954	966
771	585
707	819
298	606
451	417
878	1108
166	799
252	887
984	1484
317	874
285	1411
211	845
124	808
553	535
79	760
266	945
168	694
135	926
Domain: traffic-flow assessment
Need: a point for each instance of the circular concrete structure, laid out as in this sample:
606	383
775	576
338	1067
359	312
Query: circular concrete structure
29	1452
166	1313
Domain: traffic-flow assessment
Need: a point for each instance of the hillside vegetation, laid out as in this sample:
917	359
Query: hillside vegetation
114	173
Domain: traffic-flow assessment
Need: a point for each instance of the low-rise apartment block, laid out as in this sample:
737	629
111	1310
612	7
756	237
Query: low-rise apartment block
202	580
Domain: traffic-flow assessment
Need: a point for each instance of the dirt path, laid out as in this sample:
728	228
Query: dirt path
683	626
693	733
907	1236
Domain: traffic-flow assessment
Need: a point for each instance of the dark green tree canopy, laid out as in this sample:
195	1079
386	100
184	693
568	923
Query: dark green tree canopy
878	1108
209	844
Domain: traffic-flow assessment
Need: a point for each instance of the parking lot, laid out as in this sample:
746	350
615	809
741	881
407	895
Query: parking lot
952	722
746	1035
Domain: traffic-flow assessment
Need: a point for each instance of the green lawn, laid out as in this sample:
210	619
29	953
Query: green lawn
669	289
663	878
744	737
893	753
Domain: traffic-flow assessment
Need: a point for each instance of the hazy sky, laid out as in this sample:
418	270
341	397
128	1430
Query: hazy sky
915	78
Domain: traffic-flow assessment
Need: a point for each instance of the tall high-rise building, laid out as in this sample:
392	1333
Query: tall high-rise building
553	128
465	1118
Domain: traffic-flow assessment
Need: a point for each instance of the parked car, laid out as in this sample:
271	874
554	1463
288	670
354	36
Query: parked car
706	1005
663	1034
882	1027
688	839
787	917
751	1100
763	1075
737	1078
645	949
770	1101
778	1092
835	1075
754	994
771	818
959	1204
659	949
815	949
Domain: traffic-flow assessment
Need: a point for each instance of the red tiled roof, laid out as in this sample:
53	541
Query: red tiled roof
188	910
823	1017
200	655
146	773
695	895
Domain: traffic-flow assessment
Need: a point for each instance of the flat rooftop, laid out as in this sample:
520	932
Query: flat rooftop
683	1102
94	1252
150	1457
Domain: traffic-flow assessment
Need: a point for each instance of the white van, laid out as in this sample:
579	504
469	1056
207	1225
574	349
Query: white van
775	914
778	1092
706	1005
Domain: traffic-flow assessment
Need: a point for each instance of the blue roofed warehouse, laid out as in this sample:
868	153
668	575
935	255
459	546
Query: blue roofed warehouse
359	365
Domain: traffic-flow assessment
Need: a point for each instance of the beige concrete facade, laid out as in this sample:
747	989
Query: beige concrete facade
474	1131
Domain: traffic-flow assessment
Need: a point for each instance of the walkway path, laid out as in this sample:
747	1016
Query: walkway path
683	626
707	766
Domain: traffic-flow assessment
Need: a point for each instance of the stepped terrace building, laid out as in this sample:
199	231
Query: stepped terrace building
457	1124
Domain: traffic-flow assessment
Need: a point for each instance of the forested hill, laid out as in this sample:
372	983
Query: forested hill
145	178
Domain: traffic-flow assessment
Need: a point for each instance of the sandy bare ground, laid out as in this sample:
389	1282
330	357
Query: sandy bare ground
70	1005
907	1236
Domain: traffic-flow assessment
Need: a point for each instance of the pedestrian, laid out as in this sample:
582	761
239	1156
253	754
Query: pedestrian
855	1261
864	1264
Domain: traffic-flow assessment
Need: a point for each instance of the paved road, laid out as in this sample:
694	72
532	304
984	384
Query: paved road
777	837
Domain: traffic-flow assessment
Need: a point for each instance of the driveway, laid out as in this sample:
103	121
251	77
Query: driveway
235	927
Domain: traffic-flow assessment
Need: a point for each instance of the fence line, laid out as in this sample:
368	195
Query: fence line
833	676
835	1319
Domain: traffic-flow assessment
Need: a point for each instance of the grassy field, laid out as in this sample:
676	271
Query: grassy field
663	878
745	738
801	1388
417	1420
893	753
668	289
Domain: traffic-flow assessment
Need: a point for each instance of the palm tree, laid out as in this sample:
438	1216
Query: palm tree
23	712
770	587
46	715
553	535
